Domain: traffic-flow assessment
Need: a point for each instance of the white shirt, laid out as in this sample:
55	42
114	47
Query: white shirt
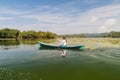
63	42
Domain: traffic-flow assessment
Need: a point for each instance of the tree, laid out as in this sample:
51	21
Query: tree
14	33
9	33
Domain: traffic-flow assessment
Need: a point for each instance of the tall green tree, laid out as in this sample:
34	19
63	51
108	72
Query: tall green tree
9	33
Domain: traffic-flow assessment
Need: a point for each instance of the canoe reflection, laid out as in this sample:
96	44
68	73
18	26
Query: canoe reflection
62	52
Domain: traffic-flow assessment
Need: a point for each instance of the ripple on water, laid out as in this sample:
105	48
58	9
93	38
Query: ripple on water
111	55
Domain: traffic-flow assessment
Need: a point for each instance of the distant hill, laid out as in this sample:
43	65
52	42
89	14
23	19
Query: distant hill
112	34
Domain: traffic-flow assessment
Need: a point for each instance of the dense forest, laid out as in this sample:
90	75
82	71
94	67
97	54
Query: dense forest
14	33
111	34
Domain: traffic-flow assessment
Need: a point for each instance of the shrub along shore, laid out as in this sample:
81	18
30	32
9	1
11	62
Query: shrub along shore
7	33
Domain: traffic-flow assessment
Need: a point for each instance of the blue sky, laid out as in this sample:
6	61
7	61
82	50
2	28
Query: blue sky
61	16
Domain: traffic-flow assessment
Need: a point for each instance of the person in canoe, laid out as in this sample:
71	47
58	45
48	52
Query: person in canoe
63	42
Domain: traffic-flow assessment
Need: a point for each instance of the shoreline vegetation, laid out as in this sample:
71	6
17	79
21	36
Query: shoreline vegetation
11	34
7	33
91	41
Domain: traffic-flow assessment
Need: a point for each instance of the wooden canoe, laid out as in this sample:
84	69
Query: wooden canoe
51	46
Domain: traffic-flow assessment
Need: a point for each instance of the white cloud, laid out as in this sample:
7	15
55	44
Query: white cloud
14	12
49	18
110	22
93	19
109	25
9	11
98	19
105	18
5	18
103	29
65	19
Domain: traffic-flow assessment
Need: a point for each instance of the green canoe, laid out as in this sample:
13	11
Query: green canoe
50	46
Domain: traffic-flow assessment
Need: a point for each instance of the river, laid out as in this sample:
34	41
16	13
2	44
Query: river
25	61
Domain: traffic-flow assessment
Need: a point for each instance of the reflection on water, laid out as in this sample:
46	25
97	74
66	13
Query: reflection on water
27	62
62	52
10	42
13	44
17	42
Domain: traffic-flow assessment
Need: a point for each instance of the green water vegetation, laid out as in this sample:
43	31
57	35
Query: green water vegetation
17	34
6	74
94	43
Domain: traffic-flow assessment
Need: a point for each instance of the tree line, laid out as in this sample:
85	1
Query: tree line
15	33
73	35
112	34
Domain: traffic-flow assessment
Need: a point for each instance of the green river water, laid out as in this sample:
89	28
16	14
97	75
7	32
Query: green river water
20	61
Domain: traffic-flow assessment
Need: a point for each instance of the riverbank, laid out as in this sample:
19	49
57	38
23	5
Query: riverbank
90	43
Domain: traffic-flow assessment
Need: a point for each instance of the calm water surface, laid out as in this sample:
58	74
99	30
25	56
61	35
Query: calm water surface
20	61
